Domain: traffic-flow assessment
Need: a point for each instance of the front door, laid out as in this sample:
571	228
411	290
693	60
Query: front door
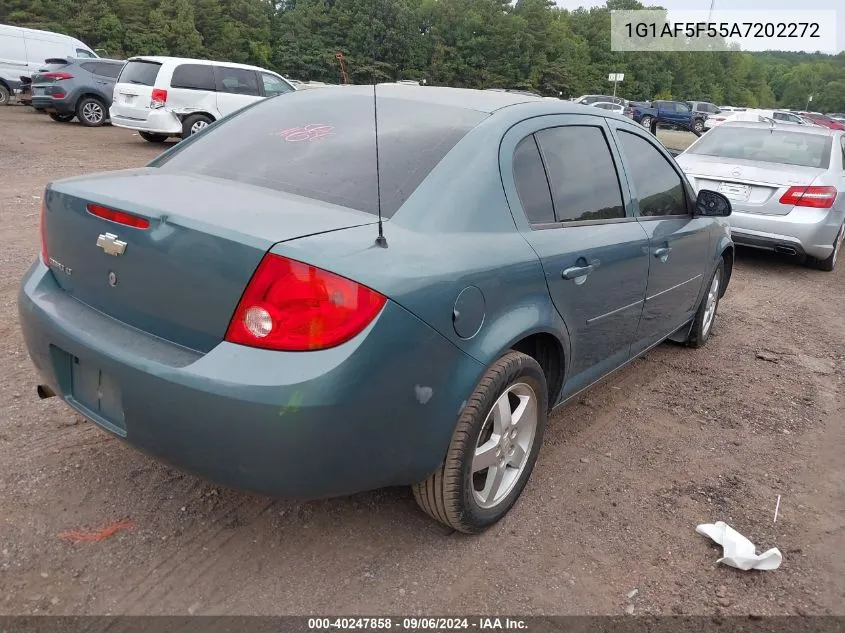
593	251
678	242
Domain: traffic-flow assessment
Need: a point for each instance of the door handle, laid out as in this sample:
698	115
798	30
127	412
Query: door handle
577	271
663	253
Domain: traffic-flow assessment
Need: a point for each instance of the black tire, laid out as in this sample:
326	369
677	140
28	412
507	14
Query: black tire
61	117
91	112
701	329
153	138
191	123
449	494
646	122
829	264
5	95
698	126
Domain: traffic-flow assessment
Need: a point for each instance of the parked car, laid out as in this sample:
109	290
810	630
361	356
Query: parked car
617	108
233	309
786	185
824	121
704	108
670	112
76	88
746	114
23	51
591	99
162	97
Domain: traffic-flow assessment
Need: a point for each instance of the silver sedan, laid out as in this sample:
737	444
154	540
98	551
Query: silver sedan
786	184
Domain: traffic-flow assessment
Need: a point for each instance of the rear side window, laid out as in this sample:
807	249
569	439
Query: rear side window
531	183
239	81
109	70
582	174
659	187
140	72
193	77
322	146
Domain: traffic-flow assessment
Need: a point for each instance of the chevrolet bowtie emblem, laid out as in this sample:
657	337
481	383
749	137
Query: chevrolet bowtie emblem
110	244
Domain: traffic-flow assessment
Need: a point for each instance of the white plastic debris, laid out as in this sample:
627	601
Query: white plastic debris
738	551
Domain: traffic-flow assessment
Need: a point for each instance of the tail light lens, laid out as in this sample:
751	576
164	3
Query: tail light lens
56	76
158	99
816	197
45	254
292	306
120	217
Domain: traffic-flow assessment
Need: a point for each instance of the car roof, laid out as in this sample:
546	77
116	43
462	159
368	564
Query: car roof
795	129
188	60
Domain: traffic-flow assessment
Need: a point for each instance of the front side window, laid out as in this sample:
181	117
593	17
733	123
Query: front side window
531	183
582	174
681	107
658	186
274	85
81	52
193	77
239	81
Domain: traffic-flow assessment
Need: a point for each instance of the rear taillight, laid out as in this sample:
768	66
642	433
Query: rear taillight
292	306
120	217
45	254
816	197
158	99
56	76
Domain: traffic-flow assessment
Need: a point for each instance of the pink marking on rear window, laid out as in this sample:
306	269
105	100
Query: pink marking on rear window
310	132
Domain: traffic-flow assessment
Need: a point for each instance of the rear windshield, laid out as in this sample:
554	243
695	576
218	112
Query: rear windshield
139	72
765	145
323	147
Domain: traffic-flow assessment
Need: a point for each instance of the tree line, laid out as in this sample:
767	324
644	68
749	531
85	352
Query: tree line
527	44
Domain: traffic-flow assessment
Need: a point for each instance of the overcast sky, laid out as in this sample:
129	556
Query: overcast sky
704	5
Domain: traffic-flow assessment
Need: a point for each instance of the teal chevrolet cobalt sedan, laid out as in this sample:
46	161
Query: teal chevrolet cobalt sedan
236	308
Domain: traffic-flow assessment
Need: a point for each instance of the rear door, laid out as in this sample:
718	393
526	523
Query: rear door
678	242
134	89
593	251
193	87
236	88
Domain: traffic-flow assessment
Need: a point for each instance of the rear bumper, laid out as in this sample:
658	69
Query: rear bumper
156	122
806	231
376	411
58	106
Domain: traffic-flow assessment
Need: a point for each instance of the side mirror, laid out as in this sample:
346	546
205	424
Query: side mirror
713	204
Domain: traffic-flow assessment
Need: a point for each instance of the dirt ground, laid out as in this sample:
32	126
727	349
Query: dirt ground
678	438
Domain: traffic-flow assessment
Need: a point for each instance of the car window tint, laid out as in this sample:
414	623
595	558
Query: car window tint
91	67
139	72
531	183
239	81
659	187
322	147
109	70
582	174
273	85
193	77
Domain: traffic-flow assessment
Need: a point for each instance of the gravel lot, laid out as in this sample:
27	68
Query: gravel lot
678	438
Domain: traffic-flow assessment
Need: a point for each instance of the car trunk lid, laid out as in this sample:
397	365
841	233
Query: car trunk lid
181	277
751	186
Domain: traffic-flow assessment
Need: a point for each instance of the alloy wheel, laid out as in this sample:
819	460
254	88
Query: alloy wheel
93	112
710	305
504	445
199	125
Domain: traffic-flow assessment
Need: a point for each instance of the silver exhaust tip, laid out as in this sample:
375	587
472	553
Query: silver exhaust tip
44	392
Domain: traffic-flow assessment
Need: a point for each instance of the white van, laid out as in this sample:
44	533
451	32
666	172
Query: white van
175	96
23	51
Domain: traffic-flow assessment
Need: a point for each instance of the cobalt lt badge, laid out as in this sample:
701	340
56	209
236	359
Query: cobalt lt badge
110	244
